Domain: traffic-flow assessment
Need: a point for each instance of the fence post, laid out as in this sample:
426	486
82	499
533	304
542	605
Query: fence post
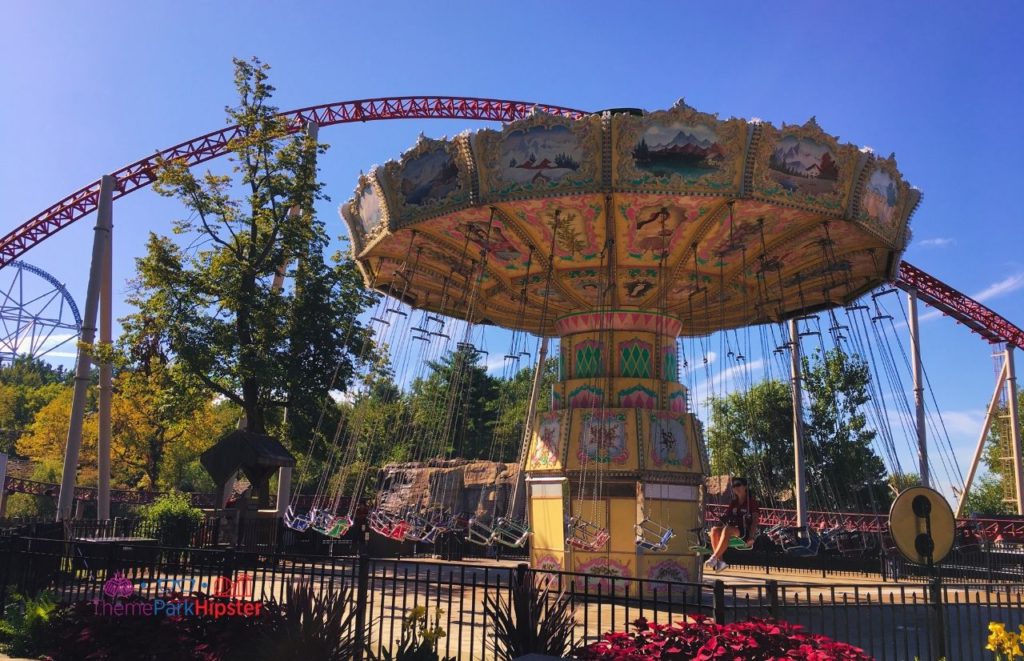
937	619
362	604
772	587
718	601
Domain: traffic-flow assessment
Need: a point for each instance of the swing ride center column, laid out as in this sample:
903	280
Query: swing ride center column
618	448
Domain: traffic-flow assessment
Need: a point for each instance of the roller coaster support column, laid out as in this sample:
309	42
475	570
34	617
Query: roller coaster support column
993	406
101	235
106	383
800	485
915	355
1011	404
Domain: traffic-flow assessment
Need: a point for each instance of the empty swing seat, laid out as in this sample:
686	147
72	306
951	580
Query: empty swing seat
801	542
388	525
586	536
296	522
478	532
511	533
651	536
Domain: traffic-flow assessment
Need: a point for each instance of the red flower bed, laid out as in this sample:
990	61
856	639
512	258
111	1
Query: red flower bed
701	639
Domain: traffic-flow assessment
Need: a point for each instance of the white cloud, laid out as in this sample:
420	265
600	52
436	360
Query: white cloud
938	242
1005	286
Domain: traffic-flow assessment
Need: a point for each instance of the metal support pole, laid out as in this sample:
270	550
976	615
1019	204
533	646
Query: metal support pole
915	357
800	481
104	216
1018	469
106	384
980	449
531	411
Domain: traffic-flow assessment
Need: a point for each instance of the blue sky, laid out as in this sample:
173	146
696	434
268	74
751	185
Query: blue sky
88	87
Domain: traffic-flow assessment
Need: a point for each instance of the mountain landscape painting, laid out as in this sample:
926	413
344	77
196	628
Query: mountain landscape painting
429	178
370	210
879	200
540	155
803	165
688	150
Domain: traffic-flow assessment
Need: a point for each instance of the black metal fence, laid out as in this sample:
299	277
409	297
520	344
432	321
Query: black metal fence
889	621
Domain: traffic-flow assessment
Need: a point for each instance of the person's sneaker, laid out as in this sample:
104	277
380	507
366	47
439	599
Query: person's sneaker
721	566
711	565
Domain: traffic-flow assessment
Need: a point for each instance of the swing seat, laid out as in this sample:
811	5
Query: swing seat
296	522
319	520
703	545
586	536
478	532
388	525
801	542
511	533
651	536
339	526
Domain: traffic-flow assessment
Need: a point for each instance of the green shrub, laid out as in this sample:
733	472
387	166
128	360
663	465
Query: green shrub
420	638
174	518
25	625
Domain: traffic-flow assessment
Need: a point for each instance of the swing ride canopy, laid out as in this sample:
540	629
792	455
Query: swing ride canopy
718	223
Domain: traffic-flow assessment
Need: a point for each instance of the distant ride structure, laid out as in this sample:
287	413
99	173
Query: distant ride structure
37	313
618	232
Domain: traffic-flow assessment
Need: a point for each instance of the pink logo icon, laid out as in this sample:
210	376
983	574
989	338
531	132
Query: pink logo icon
118	586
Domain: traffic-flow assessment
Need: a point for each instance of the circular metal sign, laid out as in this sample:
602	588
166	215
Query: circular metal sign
922	525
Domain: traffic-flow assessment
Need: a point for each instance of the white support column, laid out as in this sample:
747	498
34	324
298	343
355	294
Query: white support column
106	384
104	216
915	357
284	489
800	481
1018	469
980	449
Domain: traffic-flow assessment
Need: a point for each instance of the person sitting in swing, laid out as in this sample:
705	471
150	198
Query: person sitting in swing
739	521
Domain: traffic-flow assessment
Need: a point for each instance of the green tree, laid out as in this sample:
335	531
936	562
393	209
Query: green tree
751	434
263	347
453	408
845	471
512	405
987	497
26	386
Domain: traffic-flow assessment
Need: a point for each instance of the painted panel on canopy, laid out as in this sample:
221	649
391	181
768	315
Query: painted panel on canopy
647	225
506	251
429	179
365	213
539	155
887	200
729	238
680	149
805	166
580	222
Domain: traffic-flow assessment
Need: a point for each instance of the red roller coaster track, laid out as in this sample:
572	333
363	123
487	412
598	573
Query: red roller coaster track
207	147
139	174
